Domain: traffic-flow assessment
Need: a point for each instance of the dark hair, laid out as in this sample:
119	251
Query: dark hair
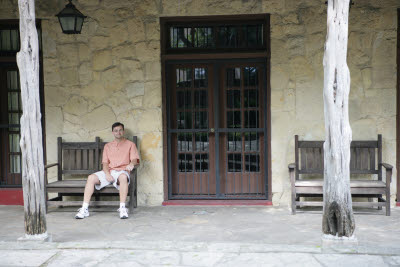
116	125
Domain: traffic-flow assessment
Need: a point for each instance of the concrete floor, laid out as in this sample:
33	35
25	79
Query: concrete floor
225	234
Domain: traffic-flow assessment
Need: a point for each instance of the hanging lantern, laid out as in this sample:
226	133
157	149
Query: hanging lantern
71	19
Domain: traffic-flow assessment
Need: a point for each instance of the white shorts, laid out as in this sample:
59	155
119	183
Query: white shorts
103	181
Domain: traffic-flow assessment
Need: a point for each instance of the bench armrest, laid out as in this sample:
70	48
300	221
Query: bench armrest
387	166
50	165
292	166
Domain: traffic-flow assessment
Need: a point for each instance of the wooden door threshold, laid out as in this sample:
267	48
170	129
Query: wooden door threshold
233	202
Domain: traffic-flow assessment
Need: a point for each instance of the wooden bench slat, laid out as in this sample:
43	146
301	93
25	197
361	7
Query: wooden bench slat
310	144
79	203
372	159
77	172
85	159
91	164
356	204
79	145
353	183
364	144
78	157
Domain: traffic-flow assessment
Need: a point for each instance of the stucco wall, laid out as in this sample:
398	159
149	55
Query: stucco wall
112	72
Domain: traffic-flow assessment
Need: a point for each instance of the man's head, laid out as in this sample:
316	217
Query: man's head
118	130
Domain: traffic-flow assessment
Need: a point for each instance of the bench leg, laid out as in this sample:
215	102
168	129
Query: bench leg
132	189
293	206
293	189
380	200
135	192
387	203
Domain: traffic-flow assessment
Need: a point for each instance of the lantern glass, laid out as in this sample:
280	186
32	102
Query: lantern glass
79	23
67	23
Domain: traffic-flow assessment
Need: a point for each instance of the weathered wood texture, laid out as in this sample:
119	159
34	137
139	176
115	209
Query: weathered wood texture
31	128
338	216
83	158
398	109
365	161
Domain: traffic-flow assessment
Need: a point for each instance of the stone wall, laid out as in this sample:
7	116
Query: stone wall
112	72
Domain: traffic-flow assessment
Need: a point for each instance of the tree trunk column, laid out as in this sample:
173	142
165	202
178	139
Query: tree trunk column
338	216
31	128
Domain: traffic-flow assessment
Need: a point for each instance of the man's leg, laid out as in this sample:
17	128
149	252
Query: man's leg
123	193
89	189
123	187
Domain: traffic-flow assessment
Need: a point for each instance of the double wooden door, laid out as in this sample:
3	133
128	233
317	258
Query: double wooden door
217	130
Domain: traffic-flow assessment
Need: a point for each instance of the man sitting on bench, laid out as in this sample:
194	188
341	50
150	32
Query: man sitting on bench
119	158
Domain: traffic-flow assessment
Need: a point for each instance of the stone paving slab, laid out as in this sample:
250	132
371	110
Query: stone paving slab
127	257
25	257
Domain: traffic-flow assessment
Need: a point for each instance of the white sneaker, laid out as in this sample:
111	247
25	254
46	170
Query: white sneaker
123	213
82	213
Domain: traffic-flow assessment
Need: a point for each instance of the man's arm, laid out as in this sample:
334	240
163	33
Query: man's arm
106	170
134	157
132	164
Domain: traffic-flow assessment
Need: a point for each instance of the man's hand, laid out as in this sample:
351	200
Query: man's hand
109	178
130	167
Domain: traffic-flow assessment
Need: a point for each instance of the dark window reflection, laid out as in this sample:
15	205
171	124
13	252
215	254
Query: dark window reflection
201	140
183	77
203	37
250	98
234	142
233	119
184	99
185	141
233	98
184	120
181	37
9	40
201	162
251	118
200	120
252	163
254	35
200	77
234	162
233	77
251	141
250	76
200	99
228	36
185	162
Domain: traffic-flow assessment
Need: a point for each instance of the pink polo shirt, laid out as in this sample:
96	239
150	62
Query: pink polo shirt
119	154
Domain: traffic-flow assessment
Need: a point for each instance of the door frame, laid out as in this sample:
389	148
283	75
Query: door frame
167	58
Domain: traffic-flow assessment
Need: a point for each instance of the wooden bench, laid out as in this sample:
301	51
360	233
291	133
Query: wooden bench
83	158
365	170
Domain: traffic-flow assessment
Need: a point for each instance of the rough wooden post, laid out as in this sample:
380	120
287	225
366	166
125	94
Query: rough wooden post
31	128
338	216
